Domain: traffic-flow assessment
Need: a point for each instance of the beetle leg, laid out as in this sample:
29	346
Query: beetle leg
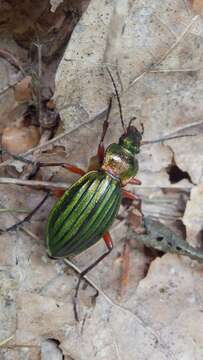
101	150
58	192
29	216
128	195
135	181
72	168
109	244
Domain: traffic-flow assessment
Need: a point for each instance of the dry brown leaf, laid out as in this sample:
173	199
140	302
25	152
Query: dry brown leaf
197	6
17	140
23	90
160	316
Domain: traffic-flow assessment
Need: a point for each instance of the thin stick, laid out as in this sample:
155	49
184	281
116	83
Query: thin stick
3	342
166	138
19	211
186	127
8	87
48	185
12	60
33	183
175	70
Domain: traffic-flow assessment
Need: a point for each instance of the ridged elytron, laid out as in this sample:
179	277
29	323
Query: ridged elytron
87	209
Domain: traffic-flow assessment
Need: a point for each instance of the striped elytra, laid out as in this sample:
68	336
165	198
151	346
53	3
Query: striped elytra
83	214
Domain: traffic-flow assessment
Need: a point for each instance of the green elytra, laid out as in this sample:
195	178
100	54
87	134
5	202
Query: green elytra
87	209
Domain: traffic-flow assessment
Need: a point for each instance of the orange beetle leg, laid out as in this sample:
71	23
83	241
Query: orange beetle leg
128	195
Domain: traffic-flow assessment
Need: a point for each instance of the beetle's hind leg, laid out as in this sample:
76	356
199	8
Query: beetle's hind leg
109	244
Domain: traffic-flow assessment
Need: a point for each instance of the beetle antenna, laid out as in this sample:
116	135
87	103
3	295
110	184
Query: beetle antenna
166	138
118	99
131	120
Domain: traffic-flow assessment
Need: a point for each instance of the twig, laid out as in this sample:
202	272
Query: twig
175	70
3	342
186	127
33	183
166	138
21	211
12	60
49	184
8	87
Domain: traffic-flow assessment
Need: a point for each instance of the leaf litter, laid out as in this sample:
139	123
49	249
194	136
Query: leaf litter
149	313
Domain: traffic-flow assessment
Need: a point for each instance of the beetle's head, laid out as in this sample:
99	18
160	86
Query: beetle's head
131	139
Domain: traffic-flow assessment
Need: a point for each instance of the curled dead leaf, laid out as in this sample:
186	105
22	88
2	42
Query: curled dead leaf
18	140
23	90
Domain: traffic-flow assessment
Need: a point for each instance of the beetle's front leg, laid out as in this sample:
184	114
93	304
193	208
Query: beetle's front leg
135	181
97	160
129	195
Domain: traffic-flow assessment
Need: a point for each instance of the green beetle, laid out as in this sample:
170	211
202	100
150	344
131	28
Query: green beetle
87	209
